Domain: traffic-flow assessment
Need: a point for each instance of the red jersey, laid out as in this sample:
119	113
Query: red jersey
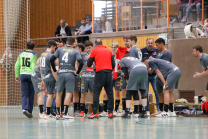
102	58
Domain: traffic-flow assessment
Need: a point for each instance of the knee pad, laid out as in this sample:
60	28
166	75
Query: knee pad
128	95
135	95
143	94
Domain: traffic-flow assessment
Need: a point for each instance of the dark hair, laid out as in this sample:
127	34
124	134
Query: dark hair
30	45
160	40
89	18
56	40
126	37
198	48
98	42
126	55
51	43
144	59
71	40
82	46
88	43
62	41
83	18
133	38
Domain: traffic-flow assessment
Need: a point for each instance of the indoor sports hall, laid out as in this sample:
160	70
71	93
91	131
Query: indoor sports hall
117	26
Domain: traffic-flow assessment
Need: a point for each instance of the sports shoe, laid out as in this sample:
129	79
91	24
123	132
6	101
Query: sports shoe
76	113
67	116
26	113
82	114
172	114
143	115
58	117
54	114
48	116
147	113
110	115
103	114
184	20
135	115
154	114
93	116
114	113
174	20
41	116
126	115
163	114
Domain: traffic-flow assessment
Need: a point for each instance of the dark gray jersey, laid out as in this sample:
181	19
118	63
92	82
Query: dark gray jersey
46	65
67	58
36	72
204	61
87	71
136	52
165	55
164	66
131	63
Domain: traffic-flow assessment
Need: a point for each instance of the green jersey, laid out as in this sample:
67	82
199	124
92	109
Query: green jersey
26	62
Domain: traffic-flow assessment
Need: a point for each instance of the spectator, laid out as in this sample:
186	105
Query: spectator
63	30
182	6
82	27
61	44
105	25
193	4
88	29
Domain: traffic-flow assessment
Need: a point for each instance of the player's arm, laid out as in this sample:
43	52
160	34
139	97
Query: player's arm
38	61
42	83
76	65
52	61
55	75
125	70
81	64
34	62
17	65
159	74
112	62
197	74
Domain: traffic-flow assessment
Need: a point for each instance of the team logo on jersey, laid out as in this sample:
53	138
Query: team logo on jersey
68	50
27	54
154	53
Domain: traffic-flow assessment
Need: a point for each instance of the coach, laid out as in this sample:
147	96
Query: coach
151	51
105	64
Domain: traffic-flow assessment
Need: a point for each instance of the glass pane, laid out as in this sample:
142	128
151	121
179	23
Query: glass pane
104	16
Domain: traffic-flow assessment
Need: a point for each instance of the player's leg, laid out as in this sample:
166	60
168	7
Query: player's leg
117	94
62	100
128	104
143	101
50	85
69	85
153	83
84	90
123	90
109	91
98	84
24	93
136	103
76	96
30	94
105	102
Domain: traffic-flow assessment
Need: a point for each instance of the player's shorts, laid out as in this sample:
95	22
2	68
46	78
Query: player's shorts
123	82
207	86
77	83
138	79
117	84
36	84
66	80
50	84
173	79
87	83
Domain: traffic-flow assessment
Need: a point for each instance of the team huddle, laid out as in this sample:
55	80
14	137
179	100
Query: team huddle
63	71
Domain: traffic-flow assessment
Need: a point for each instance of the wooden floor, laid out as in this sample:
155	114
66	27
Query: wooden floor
13	125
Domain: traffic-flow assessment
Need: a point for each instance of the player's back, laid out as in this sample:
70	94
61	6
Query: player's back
45	64
131	63
67	58
26	61
87	71
135	52
36	72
